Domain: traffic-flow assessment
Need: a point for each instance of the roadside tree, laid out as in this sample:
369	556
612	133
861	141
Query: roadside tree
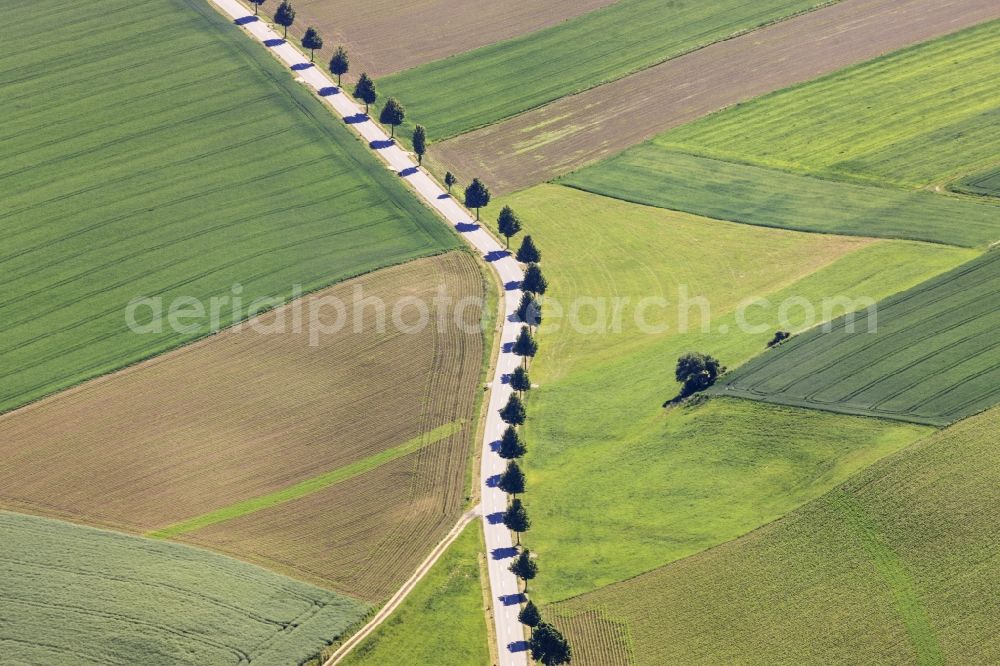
534	281
477	196
420	142
516	519
524	567
364	90
284	15
528	253
529	615
512	479
393	114
312	41
511	444
513	413
508	223
340	63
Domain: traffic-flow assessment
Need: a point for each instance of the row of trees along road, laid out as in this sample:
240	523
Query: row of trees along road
547	643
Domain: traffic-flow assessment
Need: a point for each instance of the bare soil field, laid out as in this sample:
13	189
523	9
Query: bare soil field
248	412
383	36
364	536
554	139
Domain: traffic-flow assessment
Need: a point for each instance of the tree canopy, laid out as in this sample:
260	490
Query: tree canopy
515	518
256	5
529	615
340	63
477	196
420	142
524	567
525	344
519	380
696	372
511	444
528	253
312	41
513	412
393	114
508	223
284	15
364	90
529	310
450	180
549	646
512	479
534	281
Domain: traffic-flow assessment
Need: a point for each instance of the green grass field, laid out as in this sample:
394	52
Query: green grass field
923	115
442	622
163	154
652	175
81	595
899	565
647	485
986	183
928	355
479	87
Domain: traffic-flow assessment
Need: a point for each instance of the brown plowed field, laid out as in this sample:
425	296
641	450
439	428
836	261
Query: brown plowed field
363	536
386	36
245	413
554	139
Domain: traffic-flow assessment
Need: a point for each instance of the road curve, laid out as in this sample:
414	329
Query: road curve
499	544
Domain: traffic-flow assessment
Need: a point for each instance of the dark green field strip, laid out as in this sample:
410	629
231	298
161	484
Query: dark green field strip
479	87
112	598
934	356
170	157
986	183
656	176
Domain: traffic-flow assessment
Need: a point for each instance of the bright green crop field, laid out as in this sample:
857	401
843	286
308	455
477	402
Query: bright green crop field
653	485
163	154
71	594
479	87
652	175
923	115
899	564
928	355
442	622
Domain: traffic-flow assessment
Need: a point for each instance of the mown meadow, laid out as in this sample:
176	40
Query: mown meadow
898	564
618	485
442	621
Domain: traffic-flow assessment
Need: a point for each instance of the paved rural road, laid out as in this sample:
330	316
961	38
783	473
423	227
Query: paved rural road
499	544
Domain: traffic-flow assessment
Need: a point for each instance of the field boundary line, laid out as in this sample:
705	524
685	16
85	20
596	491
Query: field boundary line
403	592
308	486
